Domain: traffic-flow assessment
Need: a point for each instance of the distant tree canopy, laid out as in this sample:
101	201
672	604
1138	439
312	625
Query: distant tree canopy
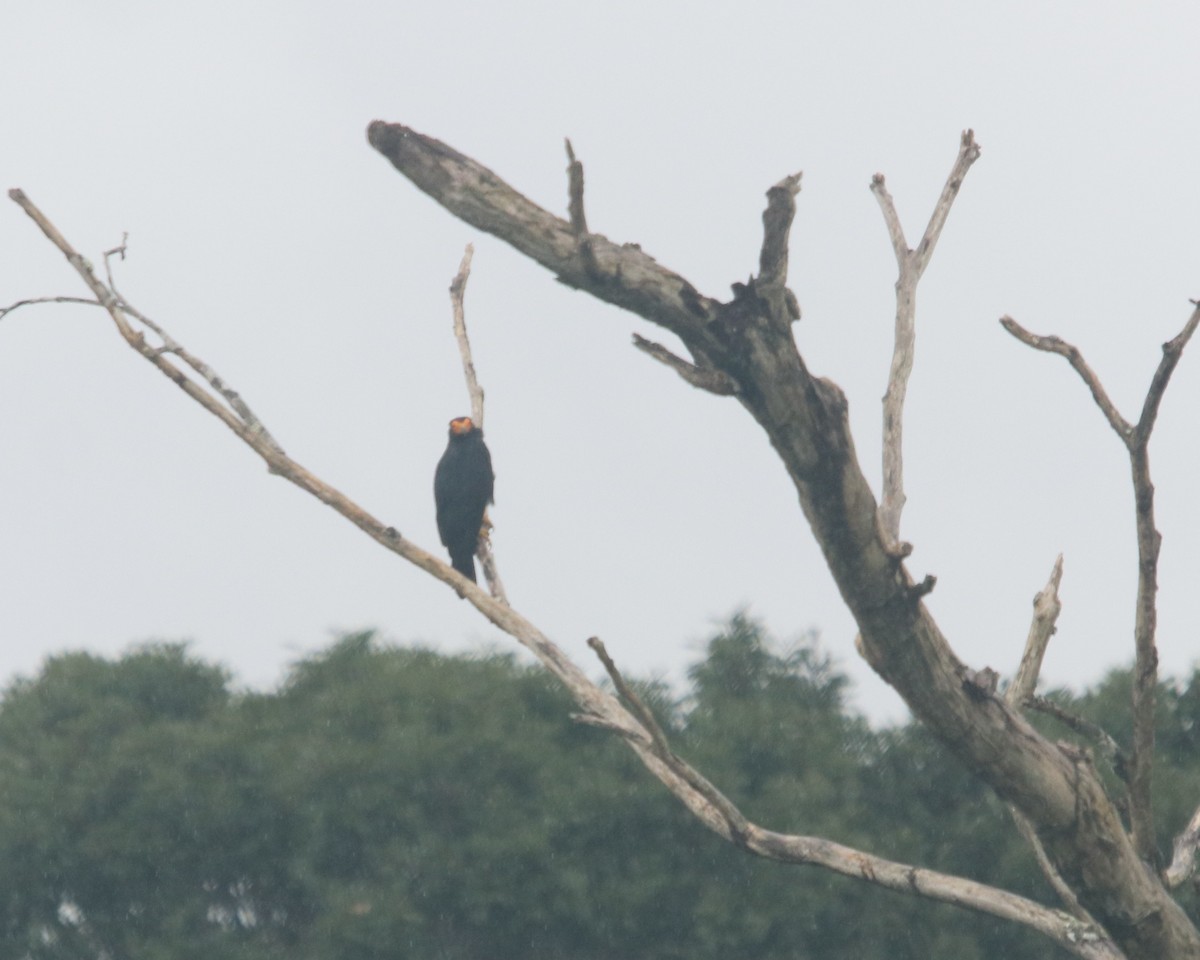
399	803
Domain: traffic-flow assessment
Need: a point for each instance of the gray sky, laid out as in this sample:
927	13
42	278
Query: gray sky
229	141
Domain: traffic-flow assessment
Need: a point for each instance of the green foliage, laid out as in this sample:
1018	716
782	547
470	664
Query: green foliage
398	803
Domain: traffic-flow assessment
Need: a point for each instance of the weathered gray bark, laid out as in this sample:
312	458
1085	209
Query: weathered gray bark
748	343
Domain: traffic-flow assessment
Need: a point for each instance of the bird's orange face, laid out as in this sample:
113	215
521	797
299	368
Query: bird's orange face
461	425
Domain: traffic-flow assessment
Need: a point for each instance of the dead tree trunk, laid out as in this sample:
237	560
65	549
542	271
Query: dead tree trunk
746	347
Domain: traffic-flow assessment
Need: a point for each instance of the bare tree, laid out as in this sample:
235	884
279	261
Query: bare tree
1114	903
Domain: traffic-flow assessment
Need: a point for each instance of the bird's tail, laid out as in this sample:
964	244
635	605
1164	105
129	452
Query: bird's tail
465	565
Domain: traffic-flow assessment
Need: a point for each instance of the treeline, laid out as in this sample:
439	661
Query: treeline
397	803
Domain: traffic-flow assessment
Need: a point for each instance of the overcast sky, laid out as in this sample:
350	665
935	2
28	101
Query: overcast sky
229	141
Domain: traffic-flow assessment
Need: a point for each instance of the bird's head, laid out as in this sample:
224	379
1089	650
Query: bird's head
461	426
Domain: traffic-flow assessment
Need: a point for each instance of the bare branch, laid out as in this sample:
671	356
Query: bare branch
1145	671
1117	758
705	378
1172	351
1149	540
1054	344
476	195
248	428
458	289
170	345
735	821
770	287
4	311
579	227
968	153
777	225
891	219
1183	859
1046	607
912	264
575	193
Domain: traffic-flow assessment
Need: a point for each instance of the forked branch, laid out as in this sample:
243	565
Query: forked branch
1136	439
912	264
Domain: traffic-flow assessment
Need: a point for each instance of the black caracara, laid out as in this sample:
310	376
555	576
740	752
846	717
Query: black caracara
462	489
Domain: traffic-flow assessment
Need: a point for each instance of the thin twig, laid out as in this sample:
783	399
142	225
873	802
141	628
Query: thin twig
1172	350
736	823
1145	674
911	264
1057	345
968	153
4	311
705	378
458	289
169	345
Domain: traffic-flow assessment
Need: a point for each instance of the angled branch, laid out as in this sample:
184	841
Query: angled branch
1149	540
735	821
912	264
1172	350
705	378
1081	937
169	345
4	311
968	153
1053	344
1046	608
771	284
458	289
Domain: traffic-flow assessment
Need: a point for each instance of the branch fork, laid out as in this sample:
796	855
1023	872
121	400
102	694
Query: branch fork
1136	439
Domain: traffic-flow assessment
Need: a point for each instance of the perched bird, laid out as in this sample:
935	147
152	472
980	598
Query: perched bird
462	488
